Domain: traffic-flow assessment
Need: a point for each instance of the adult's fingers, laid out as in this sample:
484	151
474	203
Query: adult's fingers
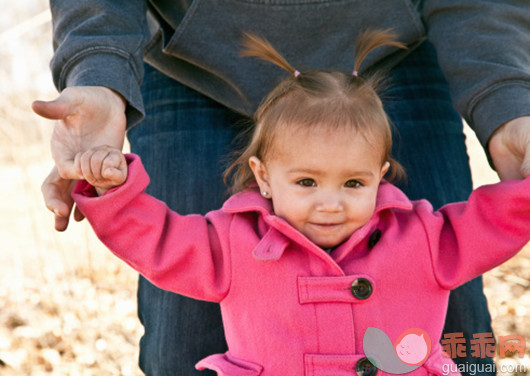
78	215
56	192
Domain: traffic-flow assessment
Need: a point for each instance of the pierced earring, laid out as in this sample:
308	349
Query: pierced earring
265	194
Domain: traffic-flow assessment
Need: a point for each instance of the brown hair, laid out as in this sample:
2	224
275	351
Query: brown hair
317	98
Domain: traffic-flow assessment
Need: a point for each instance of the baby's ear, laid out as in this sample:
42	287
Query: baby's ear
260	173
385	168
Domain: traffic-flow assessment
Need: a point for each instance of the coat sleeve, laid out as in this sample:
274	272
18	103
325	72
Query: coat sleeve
467	239
482	48
183	254
101	43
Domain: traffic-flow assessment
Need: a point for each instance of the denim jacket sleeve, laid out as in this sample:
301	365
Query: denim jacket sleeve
100	43
483	49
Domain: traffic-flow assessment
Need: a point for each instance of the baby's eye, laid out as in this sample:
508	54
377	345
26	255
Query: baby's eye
307	182
353	183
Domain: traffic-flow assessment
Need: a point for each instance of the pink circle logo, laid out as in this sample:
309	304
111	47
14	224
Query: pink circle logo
411	349
413	346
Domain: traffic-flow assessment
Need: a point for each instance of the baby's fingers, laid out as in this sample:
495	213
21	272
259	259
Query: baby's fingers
114	169
90	164
115	176
98	166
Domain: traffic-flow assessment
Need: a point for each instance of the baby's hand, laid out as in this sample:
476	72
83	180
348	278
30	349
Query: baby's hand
103	167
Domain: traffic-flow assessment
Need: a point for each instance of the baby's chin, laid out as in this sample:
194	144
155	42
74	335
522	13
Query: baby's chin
326	239
328	243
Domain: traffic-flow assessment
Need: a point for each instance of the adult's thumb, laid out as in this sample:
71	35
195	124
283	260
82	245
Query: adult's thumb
53	110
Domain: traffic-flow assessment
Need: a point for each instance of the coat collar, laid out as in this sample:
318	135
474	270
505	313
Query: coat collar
280	233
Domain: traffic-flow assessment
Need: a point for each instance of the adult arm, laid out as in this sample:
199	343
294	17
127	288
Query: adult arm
483	51
101	43
97	67
183	254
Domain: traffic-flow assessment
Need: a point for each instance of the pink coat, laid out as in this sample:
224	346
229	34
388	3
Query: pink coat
288	306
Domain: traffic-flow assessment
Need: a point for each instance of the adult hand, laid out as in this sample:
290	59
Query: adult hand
86	116
509	148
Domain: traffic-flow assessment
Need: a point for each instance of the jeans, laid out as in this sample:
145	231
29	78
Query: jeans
430	144
185	141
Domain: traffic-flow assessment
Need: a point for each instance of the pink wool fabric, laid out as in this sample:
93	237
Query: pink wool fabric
287	305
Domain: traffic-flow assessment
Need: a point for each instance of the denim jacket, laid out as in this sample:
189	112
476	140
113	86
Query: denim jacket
197	42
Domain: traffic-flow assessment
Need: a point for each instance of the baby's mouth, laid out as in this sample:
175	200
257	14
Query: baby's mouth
326	225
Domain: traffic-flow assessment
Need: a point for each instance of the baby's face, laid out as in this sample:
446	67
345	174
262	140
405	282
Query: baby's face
324	184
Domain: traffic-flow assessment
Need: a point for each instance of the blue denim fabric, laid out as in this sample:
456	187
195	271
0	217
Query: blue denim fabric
430	144
184	142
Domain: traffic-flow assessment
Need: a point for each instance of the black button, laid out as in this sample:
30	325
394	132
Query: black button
361	288
365	368
374	238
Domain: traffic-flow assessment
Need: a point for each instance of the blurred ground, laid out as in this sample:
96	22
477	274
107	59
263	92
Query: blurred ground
68	306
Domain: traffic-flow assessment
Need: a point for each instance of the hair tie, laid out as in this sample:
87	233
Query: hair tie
296	73
355	73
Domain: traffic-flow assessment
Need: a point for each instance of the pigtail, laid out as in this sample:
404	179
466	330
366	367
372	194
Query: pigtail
396	173
254	46
369	40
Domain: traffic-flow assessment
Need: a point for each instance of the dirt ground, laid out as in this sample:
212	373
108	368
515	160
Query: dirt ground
68	307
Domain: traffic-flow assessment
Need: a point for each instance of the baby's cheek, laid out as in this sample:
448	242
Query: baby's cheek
363	213
291	213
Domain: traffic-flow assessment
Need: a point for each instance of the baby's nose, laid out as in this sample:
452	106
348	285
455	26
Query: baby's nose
330	203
